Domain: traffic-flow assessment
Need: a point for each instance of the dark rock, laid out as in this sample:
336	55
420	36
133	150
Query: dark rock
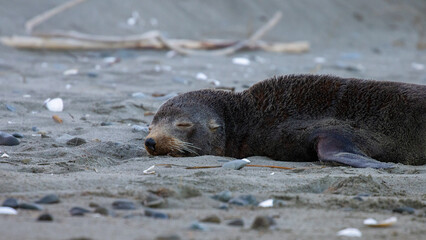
103	211
211	219
224	207
236	222
244	200
17	135
198	227
49	199
168	237
11	202
223	196
262	222
123	205
106	123
358	198
30	206
76	141
154	201
78	211
405	209
8	140
93	205
45	217
155	214
92	74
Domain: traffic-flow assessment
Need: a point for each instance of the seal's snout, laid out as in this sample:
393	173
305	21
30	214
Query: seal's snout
150	143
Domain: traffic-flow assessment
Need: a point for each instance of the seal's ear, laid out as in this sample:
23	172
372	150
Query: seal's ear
213	125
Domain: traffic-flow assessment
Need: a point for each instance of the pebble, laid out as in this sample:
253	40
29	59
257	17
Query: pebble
123	205
8	211
30	206
201	76
349	232
57	119
10	202
267	203
103	211
92	74
358	198
45	217
10	108
155	214
8	140
17	135
224	207
198	226
76	141
236	222
263	222
211	219
35	129
154	201
350	67
244	200
54	105
223	196
71	71
49	199
236	164
106	123
404	209
241	61
78	211
168	237
138	128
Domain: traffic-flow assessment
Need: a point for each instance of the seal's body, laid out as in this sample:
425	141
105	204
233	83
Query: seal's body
298	118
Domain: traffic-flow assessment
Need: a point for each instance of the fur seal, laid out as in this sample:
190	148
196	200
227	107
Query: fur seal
361	123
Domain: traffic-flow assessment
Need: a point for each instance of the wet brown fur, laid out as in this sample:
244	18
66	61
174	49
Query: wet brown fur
283	117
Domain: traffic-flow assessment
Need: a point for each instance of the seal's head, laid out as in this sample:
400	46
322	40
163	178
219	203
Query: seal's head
186	126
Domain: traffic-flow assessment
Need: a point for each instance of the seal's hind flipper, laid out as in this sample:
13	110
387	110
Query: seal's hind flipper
332	147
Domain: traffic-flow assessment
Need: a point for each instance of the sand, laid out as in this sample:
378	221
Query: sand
349	39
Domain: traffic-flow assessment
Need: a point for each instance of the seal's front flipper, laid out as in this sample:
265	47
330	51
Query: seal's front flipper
332	147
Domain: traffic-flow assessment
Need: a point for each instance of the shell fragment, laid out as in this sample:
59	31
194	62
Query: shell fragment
54	105
349	232
371	222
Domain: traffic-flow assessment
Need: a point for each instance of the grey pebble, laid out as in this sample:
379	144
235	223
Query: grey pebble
123	205
45	217
17	135
76	141
35	129
263	222
104	211
154	201
244	200
224	207
235	165
78	211
8	140
168	237
30	206
198	226
10	108
236	222
11	202
106	123
138	128
404	209
223	196
358	198
155	214
49	199
211	219
92	74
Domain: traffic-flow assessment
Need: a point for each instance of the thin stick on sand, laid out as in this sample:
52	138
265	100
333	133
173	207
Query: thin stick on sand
33	22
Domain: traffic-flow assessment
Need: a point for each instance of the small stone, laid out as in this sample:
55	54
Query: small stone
26	160
71	71
106	123
223	196
154	201
93	205
49	199
236	222
155	214
267	203
10	108
103	211
241	61
236	164
45	217
57	119
349	232
54	105
10	202
224	207
138	128
123	205
78	211
211	219
262	222
92	74
198	227
168	237
7	211
244	200
405	209
30	206
358	198
76	141
17	135
8	140
35	129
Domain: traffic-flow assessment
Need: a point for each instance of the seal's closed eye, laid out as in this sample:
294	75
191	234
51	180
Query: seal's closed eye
184	124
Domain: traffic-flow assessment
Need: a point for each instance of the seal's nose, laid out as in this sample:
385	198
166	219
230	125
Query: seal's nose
150	143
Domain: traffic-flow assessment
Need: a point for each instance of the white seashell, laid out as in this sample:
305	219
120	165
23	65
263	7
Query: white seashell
5	155
148	170
267	203
54	105
201	76
8	211
272	173
246	160
71	71
385	223
241	61
350	232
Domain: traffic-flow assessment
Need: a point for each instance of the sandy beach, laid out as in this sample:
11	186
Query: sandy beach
109	98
